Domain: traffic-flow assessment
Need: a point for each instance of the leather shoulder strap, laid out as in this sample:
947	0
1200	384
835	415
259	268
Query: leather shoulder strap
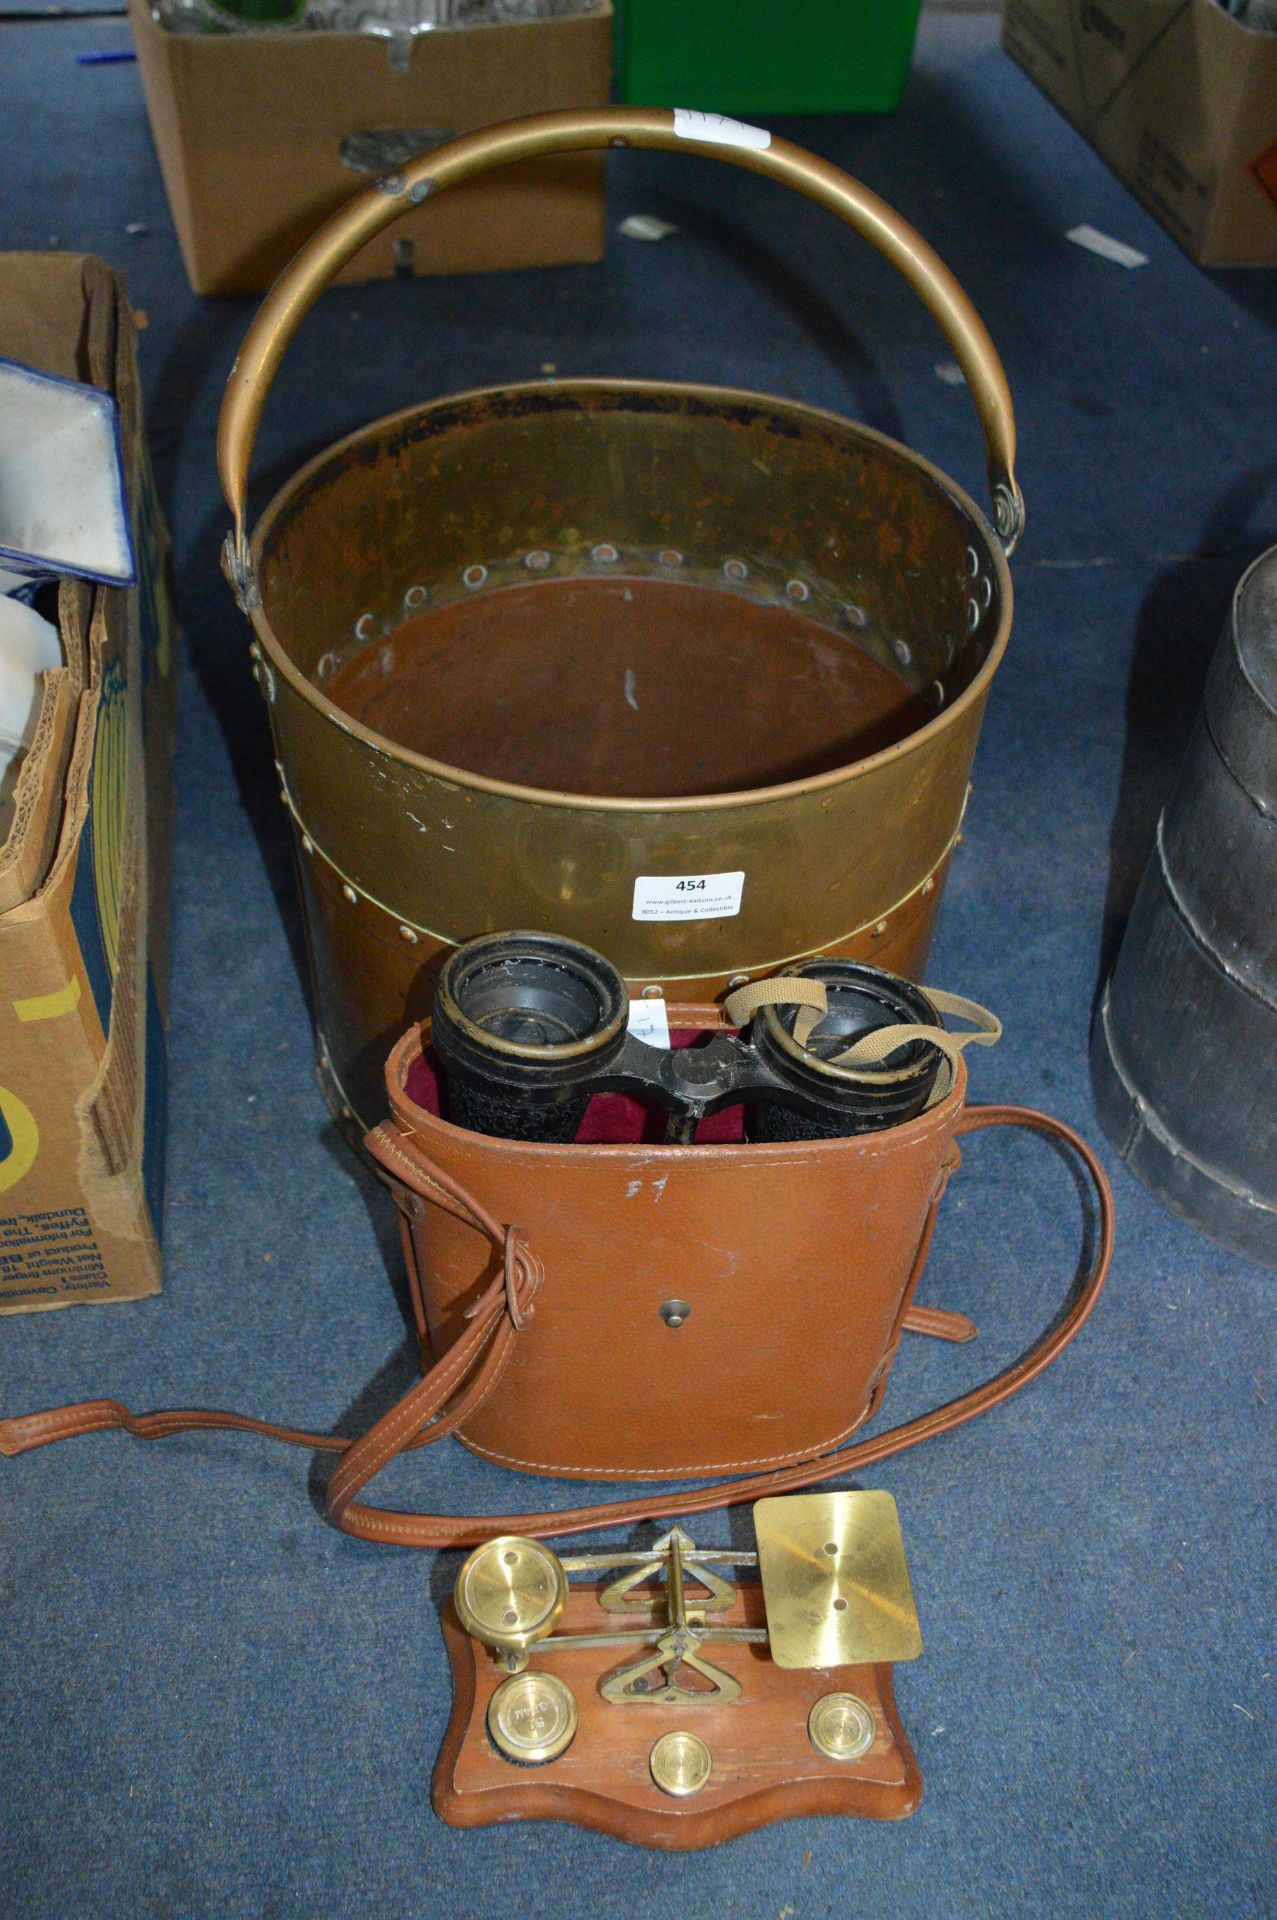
466	1374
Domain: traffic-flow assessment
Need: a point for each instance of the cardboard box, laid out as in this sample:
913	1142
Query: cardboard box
85	870
262	136
1179	98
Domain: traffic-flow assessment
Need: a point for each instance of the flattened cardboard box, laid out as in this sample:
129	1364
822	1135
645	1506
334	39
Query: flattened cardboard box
1179	98
85	873
262	136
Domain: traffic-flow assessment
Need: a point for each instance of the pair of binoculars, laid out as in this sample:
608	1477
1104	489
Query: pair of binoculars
529	1026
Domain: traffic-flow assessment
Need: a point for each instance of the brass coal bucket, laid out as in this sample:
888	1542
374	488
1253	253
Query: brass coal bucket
694	676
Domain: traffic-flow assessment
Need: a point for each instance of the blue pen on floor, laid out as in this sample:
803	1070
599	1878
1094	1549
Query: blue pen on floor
110	58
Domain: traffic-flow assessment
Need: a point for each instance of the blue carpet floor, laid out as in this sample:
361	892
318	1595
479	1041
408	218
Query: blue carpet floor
214	1705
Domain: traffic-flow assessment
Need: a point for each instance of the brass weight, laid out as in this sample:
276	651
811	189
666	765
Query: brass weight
532	1718
681	1764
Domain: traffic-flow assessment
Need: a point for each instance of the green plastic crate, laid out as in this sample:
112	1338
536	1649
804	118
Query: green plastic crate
764	56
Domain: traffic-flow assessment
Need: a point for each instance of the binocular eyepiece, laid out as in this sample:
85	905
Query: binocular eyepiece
529	1026
525	1024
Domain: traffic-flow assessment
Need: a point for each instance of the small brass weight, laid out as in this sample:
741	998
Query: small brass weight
785	1674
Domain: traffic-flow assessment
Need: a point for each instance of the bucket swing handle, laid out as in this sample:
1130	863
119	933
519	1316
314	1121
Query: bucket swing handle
589	130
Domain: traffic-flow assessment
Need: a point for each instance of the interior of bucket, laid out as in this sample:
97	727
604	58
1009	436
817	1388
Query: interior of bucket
631	591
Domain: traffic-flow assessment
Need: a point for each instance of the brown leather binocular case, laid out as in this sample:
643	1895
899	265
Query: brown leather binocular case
631	1311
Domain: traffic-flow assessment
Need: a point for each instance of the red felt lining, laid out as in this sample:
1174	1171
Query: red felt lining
611	1119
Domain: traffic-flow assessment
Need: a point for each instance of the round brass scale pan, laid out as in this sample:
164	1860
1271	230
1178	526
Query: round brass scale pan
525	646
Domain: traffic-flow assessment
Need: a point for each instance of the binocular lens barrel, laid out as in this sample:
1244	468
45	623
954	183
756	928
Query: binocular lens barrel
523	1023
836	1101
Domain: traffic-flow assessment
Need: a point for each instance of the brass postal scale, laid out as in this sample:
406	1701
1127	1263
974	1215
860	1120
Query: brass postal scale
671	1705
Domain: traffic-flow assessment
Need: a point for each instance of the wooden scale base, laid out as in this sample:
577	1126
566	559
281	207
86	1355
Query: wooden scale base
751	1740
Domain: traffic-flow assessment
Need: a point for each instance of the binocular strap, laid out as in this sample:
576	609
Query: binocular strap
457	1385
812	1001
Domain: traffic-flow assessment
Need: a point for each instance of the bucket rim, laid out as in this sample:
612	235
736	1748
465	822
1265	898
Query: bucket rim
453	776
